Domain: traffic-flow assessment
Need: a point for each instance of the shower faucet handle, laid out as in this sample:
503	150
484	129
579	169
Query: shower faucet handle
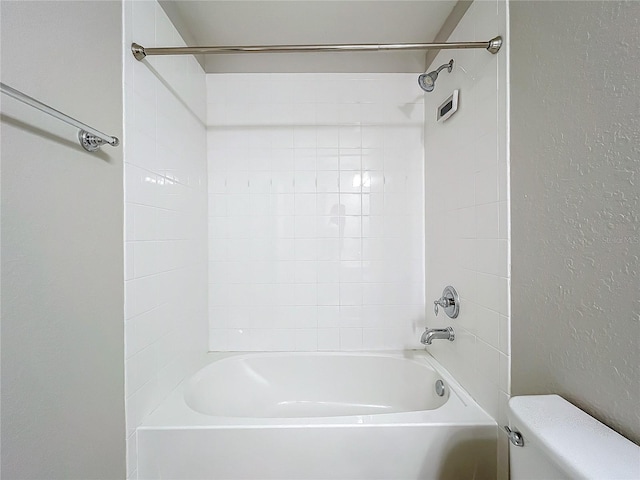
450	302
442	302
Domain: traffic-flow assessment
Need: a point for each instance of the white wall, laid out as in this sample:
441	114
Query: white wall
62	255
576	232
315	211
166	211
467	237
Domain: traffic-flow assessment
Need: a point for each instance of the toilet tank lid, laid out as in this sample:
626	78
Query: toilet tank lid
573	440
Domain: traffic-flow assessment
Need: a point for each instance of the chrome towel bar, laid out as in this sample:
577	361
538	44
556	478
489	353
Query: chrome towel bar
90	138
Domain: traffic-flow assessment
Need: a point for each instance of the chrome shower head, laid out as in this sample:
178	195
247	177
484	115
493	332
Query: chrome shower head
427	81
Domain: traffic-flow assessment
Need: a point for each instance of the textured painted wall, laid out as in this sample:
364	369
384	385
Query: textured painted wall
62	255
575	176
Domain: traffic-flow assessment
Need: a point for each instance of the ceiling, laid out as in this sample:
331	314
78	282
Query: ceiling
264	22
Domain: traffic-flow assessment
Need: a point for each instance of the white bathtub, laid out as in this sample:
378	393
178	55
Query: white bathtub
317	416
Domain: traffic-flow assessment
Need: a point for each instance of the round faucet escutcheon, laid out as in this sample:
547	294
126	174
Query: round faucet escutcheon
450	302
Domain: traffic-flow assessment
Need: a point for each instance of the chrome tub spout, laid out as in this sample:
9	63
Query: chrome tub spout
431	334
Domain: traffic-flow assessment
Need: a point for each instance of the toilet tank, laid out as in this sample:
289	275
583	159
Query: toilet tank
563	442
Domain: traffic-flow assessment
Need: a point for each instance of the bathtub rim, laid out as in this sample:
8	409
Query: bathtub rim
460	409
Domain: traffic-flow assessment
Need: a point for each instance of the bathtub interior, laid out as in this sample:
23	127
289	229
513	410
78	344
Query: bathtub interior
178	410
281	385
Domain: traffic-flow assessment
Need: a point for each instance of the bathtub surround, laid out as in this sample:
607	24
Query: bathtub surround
576	234
466	205
165	230
62	255
315	211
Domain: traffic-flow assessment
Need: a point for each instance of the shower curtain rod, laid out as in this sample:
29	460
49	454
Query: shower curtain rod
90	138
140	52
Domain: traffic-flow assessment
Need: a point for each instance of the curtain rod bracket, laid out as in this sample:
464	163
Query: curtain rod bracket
493	47
139	53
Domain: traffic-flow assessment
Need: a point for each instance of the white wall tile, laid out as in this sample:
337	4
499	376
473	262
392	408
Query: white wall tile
328	294
471	145
166	229
350	339
306	339
328	339
301	171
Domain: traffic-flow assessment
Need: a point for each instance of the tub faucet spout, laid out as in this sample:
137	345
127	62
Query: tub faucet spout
431	334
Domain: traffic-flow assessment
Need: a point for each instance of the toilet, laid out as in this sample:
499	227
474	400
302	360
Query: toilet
559	441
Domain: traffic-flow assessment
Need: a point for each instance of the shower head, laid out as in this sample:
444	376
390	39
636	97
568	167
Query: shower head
427	81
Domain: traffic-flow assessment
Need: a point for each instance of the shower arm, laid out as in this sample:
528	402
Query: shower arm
442	67
140	52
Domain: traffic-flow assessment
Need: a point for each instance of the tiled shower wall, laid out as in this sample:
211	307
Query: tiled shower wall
467	229
166	202
315	211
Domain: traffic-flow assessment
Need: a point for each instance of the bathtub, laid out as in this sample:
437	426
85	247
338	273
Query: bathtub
317	416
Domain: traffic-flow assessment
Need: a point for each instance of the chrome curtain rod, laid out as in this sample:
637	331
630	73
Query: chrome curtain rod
141	52
90	138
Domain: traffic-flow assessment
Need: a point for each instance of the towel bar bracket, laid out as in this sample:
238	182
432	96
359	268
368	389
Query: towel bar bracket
91	143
